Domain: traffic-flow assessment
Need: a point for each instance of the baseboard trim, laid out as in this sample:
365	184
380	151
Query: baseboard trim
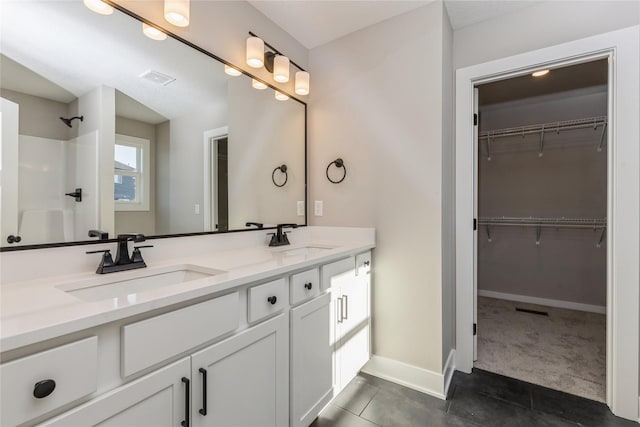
449	369
416	378
544	301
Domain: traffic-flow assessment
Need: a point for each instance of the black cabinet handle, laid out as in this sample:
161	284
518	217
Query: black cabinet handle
43	388
272	299
203	411
308	285
186	382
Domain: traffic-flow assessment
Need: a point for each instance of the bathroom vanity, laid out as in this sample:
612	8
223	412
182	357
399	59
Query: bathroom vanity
231	333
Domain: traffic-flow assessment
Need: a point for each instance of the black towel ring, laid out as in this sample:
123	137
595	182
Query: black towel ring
339	164
283	169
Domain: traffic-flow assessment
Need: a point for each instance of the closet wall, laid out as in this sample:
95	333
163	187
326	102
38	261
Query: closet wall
569	180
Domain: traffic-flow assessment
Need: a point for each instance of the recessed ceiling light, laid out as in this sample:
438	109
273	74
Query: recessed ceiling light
540	73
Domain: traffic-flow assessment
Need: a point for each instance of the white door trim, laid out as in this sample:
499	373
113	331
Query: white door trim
623	236
209	167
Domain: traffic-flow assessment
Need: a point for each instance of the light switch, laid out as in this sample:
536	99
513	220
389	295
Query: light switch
300	207
318	208
196	209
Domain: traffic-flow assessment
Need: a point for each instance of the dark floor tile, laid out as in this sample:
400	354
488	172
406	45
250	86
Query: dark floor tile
496	386
405	392
574	408
488	411
390	409
334	416
356	395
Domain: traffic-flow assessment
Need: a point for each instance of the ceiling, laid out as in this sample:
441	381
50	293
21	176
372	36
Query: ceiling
316	22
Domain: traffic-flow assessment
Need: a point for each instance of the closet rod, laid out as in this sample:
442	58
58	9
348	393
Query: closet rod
594	122
592	223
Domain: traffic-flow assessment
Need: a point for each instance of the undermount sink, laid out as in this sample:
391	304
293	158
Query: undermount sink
133	282
306	250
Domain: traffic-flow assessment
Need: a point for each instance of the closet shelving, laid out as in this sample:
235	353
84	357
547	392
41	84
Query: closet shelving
590	122
540	222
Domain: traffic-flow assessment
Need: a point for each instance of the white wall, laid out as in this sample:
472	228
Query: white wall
40	116
263	134
546	24
376	102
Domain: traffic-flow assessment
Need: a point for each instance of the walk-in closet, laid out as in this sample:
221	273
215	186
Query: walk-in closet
542	223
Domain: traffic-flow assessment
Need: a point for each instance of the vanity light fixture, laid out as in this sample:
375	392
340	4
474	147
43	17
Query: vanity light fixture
231	71
177	12
540	73
98	6
281	96
152	32
275	62
258	84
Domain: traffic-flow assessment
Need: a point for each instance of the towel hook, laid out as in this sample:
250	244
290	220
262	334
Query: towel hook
339	164
282	169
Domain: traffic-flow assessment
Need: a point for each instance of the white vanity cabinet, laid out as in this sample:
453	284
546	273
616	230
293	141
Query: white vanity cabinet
311	360
350	316
244	380
156	400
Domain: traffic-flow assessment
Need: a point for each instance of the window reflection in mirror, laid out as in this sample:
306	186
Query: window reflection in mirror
191	154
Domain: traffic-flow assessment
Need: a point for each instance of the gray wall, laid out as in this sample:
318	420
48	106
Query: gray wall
570	180
139	221
40	116
163	178
376	102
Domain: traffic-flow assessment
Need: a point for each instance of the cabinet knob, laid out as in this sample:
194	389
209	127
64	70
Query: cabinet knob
308	285
367	263
272	299
43	388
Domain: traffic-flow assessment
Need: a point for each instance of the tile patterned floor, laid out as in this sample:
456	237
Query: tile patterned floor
479	399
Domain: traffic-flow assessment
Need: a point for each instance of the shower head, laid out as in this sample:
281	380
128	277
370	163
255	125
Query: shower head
68	121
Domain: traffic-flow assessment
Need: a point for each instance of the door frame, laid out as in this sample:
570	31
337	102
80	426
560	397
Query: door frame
210	171
623	200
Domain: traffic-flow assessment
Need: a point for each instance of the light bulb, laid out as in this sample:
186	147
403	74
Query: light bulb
98	6
255	52
258	84
231	71
281	69
281	96
177	12
302	83
152	32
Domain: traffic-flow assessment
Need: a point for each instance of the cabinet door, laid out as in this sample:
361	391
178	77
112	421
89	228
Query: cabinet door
352	346
311	360
155	400
247	378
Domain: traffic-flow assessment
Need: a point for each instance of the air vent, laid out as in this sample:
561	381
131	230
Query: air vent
156	77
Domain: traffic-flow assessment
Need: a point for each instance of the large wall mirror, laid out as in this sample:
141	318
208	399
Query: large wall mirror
106	129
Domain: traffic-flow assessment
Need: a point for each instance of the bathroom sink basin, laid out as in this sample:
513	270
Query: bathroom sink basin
306	250
132	282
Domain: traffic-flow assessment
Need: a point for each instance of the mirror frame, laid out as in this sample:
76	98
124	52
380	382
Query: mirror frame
200	233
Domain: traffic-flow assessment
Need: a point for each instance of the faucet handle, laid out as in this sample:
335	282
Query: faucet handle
136	256
106	261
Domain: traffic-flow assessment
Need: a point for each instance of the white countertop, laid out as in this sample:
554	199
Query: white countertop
37	309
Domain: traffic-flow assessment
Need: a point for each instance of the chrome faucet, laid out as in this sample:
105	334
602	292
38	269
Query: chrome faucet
279	238
123	261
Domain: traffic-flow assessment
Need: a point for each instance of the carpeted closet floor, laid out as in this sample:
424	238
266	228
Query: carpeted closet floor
565	350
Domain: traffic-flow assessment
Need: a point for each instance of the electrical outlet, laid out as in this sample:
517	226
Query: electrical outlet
196	209
300	207
318	208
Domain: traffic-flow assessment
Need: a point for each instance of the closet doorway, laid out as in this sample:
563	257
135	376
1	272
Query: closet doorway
541	256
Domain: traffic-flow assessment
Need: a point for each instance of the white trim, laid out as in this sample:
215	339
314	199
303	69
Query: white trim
449	369
623	231
206	138
544	301
423	380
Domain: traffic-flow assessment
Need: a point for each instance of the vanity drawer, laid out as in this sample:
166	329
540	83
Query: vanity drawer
153	340
304	285
336	270
267	299
71	370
